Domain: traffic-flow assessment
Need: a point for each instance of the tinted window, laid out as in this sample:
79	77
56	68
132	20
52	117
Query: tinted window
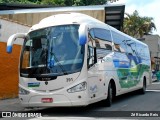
90	55
143	53
102	38
119	42
131	46
102	34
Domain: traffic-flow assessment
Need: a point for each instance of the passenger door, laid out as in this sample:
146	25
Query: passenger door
92	73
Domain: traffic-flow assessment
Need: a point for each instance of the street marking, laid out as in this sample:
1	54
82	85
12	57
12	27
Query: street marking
153	90
154	83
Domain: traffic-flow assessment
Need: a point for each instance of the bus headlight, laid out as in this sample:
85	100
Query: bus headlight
23	91
80	87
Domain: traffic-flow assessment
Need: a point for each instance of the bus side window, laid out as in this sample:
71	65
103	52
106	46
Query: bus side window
103	42
26	55
90	58
119	42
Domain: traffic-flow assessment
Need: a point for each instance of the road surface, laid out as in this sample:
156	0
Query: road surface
136	104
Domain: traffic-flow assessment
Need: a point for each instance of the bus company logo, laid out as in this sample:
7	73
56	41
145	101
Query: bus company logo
34	84
93	89
6	114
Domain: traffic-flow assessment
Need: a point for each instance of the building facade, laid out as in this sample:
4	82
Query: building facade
153	41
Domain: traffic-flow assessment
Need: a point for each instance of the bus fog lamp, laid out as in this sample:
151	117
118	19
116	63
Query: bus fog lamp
23	91
80	87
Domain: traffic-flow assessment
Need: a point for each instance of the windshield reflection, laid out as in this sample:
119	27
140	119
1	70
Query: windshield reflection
52	51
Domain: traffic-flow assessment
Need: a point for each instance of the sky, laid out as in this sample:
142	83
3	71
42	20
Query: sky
149	8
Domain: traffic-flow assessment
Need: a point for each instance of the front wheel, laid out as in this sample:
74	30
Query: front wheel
110	95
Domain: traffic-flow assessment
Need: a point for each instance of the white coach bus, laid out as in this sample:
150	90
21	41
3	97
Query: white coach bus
73	59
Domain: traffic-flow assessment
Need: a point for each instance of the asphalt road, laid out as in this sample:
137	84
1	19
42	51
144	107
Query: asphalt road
128	105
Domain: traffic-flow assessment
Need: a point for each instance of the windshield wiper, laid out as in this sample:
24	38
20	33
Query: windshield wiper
59	64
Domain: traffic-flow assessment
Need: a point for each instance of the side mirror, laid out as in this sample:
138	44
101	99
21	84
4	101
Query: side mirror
82	34
12	39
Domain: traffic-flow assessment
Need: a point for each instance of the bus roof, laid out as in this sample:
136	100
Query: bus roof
65	18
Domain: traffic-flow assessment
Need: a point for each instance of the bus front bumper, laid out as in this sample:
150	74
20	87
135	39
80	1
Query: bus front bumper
57	101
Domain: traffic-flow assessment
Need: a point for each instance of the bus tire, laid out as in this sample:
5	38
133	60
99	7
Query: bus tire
110	95
143	89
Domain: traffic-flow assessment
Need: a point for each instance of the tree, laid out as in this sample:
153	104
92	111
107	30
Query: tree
53	2
19	1
91	2
137	26
61	2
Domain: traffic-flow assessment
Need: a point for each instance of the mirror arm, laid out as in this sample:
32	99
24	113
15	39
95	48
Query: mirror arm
82	34
12	39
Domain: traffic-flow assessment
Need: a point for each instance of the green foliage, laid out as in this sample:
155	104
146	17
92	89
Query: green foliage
53	2
60	2
89	2
136	26
19	1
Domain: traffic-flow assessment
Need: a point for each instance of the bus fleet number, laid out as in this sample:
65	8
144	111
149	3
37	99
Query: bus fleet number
69	79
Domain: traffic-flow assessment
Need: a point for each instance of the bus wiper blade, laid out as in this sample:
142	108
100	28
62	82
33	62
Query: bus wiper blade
59	64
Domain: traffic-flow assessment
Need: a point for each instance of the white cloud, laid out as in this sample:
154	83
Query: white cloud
130	9
150	9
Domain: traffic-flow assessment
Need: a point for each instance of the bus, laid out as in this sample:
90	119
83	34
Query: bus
72	59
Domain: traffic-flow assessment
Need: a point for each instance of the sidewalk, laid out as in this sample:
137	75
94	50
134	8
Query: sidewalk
10	105
154	86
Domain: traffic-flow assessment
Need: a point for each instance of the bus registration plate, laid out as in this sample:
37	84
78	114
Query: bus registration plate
47	100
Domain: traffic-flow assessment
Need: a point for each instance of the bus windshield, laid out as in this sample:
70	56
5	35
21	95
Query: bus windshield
52	51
